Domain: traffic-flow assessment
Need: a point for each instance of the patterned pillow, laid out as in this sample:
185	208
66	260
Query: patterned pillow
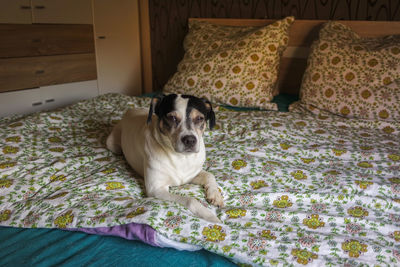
230	65
352	76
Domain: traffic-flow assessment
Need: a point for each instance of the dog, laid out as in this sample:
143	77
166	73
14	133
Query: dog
164	144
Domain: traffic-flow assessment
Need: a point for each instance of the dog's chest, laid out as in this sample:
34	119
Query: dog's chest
186	170
182	169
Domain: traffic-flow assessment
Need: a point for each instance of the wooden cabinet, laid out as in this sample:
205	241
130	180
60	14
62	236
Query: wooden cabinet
48	47
43	66
46	11
15	11
19	40
116	26
18	73
39	55
62	11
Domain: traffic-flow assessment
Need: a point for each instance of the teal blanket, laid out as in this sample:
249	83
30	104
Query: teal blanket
50	247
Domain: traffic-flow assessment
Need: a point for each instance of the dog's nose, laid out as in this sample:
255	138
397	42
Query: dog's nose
189	140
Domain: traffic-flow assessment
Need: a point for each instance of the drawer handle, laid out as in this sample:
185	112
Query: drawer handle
25	7
101	37
50	100
40	7
39	71
36	40
37	104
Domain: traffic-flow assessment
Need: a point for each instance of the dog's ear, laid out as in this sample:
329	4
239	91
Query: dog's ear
155	101
210	116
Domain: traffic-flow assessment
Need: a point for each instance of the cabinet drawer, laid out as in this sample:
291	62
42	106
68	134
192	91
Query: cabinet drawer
30	72
46	98
62	11
20	102
15	11
18	73
67	68
60	95
18	40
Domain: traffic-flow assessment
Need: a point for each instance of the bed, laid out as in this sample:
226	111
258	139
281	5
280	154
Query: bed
300	187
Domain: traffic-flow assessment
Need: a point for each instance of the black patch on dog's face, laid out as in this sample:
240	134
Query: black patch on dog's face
201	105
162	105
182	117
166	105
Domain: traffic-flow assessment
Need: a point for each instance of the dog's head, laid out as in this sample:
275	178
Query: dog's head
182	119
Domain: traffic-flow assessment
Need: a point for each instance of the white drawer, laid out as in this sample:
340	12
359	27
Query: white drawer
20	102
60	95
46	97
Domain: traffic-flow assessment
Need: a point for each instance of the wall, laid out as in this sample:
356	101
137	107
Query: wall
168	20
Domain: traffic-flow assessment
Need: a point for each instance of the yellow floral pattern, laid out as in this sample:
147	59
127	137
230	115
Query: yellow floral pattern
352	76
59	177
314	221
258	184
363	184
136	212
303	256
299	175
236	213
358	212
238	164
236	66
63	220
6	183
396	236
6	165
354	248
10	150
5	215
114	185
282	202
214	233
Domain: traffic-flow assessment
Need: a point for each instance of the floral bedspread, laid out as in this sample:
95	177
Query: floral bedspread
299	189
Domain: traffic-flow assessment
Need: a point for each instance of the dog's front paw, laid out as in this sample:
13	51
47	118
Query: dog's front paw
198	209
214	197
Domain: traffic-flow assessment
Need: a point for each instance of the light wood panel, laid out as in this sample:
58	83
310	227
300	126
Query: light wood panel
15	11
145	46
118	46
21	40
302	34
18	73
34	55
67	68
30	72
62	11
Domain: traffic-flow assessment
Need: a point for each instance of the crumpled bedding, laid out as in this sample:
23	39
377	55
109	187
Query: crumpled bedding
299	189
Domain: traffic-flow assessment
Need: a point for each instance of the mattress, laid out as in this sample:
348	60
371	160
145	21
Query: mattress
299	188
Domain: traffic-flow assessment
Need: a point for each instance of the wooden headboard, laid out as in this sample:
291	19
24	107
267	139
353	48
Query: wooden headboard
302	34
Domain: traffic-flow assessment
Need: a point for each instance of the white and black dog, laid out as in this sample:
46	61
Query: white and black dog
167	148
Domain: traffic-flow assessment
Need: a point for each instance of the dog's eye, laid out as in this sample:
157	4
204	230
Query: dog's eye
172	118
198	119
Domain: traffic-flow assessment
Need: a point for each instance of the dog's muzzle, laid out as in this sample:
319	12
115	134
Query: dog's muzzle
189	141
